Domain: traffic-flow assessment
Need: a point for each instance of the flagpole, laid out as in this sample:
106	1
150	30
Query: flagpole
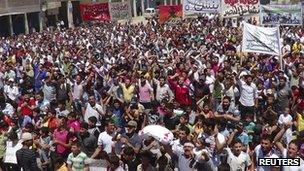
280	50
183	12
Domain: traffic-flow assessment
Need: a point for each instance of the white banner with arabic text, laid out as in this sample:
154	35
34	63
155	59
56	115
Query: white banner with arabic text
201	6
120	10
261	39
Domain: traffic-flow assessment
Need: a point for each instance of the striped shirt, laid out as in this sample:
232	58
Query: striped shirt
26	159
77	162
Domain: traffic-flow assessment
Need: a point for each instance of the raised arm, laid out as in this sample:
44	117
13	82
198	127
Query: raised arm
220	147
171	82
280	134
168	149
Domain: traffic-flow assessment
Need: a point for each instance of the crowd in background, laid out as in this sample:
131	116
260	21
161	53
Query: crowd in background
75	99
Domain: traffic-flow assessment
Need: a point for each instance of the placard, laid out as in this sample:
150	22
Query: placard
201	6
281	14
98	11
120	10
239	8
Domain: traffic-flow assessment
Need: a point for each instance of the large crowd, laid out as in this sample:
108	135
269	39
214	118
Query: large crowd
76	99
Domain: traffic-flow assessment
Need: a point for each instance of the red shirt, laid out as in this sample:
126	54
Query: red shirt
25	110
181	93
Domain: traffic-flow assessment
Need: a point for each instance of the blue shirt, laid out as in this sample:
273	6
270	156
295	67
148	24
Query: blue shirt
39	76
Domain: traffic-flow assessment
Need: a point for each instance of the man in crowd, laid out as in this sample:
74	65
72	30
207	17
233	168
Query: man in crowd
26	157
77	159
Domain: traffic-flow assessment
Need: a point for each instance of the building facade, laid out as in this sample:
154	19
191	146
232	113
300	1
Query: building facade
26	16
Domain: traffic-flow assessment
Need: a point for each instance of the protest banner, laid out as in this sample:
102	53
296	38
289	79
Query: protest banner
261	39
170	12
283	2
201	6
281	14
120	10
98	11
239	8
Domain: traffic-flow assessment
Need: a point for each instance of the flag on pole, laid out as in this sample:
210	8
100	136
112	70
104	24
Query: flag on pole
261	39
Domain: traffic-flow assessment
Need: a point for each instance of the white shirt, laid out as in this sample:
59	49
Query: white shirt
184	163
61	113
8	110
292	168
210	140
284	119
97	165
119	169
210	79
10	74
105	140
11	92
248	94
163	92
259	154
114	90
286	49
10	153
77	91
231	93
238	163
177	147
92	111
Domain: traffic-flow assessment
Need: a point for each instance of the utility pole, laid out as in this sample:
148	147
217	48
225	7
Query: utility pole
26	26
40	17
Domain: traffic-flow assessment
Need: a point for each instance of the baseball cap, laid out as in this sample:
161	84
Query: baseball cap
26	136
132	123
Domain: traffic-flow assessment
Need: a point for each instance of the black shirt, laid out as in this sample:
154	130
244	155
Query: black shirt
132	165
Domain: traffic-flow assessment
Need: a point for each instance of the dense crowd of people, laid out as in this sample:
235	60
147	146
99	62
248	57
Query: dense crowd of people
76	99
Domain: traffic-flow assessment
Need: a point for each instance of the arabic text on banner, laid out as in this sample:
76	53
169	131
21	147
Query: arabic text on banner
281	14
98	11
201	6
239	8
261	39
120	10
170	13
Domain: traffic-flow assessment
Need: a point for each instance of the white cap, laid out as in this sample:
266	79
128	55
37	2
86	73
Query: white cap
26	136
